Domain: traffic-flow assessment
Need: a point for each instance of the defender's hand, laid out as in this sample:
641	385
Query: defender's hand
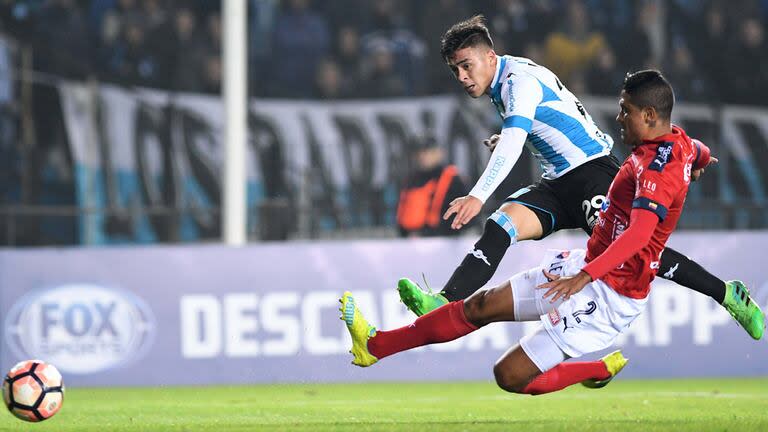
465	208
491	142
695	174
564	286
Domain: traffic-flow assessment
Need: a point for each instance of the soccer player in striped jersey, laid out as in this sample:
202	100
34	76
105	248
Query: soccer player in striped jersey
540	113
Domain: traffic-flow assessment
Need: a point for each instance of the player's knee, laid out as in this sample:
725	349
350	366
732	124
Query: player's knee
527	223
507	224
475	308
507	380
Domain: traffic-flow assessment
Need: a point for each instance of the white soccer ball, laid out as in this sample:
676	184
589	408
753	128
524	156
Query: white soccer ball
33	390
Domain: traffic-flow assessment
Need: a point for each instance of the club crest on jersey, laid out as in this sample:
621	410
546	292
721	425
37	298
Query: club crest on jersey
563	254
662	156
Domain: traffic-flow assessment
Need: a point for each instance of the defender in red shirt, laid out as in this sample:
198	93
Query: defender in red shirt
644	203
585	312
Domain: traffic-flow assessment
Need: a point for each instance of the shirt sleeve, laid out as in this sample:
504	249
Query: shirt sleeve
636	237
703	154
659	179
520	95
503	158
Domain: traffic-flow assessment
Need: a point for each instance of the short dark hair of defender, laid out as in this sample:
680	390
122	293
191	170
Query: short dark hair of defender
468	33
649	89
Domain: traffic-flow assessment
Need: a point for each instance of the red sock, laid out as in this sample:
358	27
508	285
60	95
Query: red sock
565	374
441	325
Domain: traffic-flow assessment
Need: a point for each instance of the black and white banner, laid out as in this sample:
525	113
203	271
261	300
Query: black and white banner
140	150
148	163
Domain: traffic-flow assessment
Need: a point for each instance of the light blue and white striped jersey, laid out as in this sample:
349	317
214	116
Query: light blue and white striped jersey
561	134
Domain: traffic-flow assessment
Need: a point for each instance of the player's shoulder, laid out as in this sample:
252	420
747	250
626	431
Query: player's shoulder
671	149
513	67
515	74
653	156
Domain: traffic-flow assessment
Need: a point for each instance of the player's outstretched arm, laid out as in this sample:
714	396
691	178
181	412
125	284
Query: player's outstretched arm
642	222
504	157
641	226
507	152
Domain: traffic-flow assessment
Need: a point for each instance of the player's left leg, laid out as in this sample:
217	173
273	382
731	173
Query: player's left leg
732	295
359	329
446	323
589	321
536	366
370	345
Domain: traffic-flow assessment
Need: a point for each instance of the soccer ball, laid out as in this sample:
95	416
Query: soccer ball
33	390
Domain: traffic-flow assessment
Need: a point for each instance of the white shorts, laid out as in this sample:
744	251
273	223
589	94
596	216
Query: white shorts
587	322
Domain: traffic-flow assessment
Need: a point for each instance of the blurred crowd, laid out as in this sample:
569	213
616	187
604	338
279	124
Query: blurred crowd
711	50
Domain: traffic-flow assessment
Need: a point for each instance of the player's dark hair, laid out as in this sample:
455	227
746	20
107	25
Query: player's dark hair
649	89
468	33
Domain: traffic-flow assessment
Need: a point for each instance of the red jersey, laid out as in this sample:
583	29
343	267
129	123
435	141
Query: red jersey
654	177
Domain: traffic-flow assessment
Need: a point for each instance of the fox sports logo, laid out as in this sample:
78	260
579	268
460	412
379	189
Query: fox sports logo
81	328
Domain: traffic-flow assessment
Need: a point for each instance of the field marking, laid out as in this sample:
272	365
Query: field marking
630	395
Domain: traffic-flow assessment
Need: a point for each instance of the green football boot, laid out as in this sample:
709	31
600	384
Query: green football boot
614	362
743	309
359	329
416	299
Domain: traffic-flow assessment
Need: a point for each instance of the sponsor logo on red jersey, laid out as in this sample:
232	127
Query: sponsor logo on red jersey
662	156
554	317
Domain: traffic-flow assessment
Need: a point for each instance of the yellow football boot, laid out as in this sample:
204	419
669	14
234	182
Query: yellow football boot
614	362
359	329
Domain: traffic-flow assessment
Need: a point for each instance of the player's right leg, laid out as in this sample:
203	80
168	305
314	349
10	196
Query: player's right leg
588	322
511	223
537	366
585	323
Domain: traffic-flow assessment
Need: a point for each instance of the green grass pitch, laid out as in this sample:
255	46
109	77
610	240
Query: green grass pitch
625	405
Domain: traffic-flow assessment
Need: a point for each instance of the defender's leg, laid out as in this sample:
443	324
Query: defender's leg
732	295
